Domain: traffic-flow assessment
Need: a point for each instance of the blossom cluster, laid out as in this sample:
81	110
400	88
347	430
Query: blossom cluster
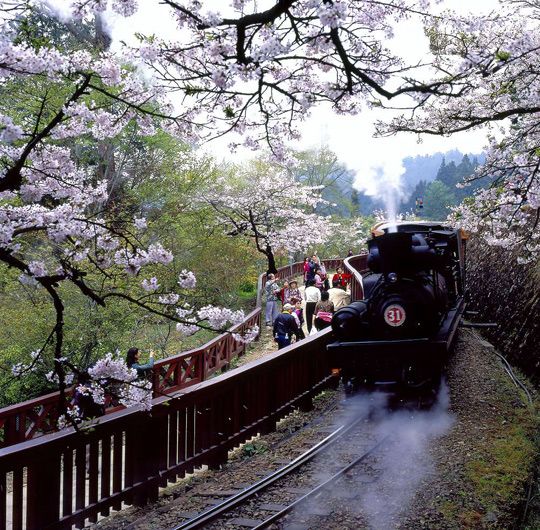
133	261
492	63
248	336
276	210
72	416
112	367
187	280
112	371
333	14
216	318
268	75
151	284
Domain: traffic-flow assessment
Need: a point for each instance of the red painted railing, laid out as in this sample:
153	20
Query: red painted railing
36	417
68	478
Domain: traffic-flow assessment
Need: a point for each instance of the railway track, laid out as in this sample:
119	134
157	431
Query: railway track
278	494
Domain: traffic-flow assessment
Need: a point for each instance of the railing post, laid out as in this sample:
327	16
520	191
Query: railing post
145	437
14	419
202	364
43	492
14	429
155	381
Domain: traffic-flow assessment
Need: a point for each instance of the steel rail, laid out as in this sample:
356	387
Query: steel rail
235	500
320	487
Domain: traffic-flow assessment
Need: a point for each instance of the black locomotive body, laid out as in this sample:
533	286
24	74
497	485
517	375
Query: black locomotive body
400	334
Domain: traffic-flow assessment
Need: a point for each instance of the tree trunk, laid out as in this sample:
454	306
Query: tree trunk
272	269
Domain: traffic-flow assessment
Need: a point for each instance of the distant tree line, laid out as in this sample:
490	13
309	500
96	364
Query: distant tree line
449	188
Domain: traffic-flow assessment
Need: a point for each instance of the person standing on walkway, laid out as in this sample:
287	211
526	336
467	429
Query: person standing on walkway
318	280
341	278
299	312
285	327
338	296
306	269
313	295
272	292
312	265
324	310
292	292
324	276
282	292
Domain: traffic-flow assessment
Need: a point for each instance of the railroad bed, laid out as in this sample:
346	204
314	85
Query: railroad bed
467	467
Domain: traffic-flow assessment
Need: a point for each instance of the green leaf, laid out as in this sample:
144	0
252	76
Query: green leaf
501	55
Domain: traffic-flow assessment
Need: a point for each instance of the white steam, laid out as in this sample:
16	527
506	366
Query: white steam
383	182
406	464
379	499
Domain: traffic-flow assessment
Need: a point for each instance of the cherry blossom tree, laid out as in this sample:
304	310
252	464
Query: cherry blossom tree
248	72
263	203
497	61
259	71
54	228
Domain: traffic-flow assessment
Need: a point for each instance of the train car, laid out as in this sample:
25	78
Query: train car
399	336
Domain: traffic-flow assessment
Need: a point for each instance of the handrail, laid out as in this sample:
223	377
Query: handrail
63	478
356	266
36	417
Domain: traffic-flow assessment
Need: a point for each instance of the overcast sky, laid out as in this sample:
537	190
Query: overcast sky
376	161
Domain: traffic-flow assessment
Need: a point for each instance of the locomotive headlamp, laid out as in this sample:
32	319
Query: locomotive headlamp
392	277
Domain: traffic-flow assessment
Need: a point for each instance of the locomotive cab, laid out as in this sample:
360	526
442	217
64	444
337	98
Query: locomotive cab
401	332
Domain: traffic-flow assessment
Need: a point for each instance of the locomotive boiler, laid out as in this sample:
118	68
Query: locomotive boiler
399	335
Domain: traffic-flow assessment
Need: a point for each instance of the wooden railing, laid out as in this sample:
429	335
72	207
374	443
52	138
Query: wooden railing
36	417
356	266
68	478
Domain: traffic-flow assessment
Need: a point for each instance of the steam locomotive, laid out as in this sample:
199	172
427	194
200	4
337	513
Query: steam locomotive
399	336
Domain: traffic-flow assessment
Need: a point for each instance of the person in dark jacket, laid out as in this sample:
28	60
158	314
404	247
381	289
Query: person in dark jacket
132	361
285	327
299	312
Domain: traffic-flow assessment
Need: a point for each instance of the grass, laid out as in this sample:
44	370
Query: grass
257	447
505	468
501	473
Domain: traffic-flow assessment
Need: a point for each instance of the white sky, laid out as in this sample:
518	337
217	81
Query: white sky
376	161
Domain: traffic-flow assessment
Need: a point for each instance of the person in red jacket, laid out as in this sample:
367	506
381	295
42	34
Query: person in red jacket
306	269
341	278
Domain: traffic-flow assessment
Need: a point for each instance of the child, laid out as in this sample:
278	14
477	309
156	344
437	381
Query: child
298	311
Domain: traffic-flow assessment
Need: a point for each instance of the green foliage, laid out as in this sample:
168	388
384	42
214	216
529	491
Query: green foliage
322	168
352	235
254	448
446	190
437	199
159	180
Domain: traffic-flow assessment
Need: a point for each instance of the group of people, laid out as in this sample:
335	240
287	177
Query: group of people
321	301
